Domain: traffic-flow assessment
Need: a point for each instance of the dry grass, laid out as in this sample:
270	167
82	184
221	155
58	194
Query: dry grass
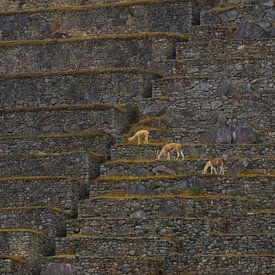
51	154
178	176
33	208
64	256
118	4
23	230
261	212
32	178
143	35
239	255
92	134
21	259
79	72
214	234
227	7
66	107
122	195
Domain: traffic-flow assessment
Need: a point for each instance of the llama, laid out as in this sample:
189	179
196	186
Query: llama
212	163
170	147
138	135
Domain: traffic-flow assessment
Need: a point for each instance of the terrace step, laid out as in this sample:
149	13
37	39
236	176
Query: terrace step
229	66
117	205
238	87
256	187
48	220
60	119
82	165
10	265
143	50
254	221
56	192
25	242
191	150
174	265
134	227
75	141
146	167
88	245
100	18
224	48
86	265
82	86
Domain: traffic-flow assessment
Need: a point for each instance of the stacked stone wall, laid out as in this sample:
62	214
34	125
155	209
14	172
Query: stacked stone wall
43	193
109	19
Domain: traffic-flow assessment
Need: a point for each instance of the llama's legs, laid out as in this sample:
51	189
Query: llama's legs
182	154
168	156
215	170
138	140
146	140
178	154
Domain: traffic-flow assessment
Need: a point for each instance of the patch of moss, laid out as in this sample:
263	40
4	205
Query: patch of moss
122	70
31	178
13	258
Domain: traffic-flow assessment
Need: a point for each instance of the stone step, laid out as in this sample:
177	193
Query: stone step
89	245
257	12
216	88
256	187
143	50
95	246
55	192
79	141
89	86
254	221
95	19
226	263
229	66
144	167
10	265
81	164
224	48
25	242
117	205
140	226
80	264
9	6
193	150
60	119
174	265
51	221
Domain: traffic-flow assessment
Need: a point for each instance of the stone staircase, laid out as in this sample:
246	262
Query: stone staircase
78	78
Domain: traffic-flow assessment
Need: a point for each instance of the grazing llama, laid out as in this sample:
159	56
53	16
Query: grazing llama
212	163
138	135
170	147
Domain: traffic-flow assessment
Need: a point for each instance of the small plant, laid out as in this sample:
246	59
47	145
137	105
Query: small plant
196	191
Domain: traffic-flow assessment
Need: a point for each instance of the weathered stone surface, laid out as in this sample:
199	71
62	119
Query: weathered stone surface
220	135
139	189
170	211
239	167
163	170
245	135
57	269
249	30
193	182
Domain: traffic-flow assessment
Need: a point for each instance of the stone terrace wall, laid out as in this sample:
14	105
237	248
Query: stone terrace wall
111	19
111	87
47	220
56	143
24	242
44	193
260	14
140	50
63	119
11	266
83	165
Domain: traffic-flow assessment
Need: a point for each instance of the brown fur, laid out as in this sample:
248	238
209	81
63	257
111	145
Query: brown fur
138	135
213	163
170	147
